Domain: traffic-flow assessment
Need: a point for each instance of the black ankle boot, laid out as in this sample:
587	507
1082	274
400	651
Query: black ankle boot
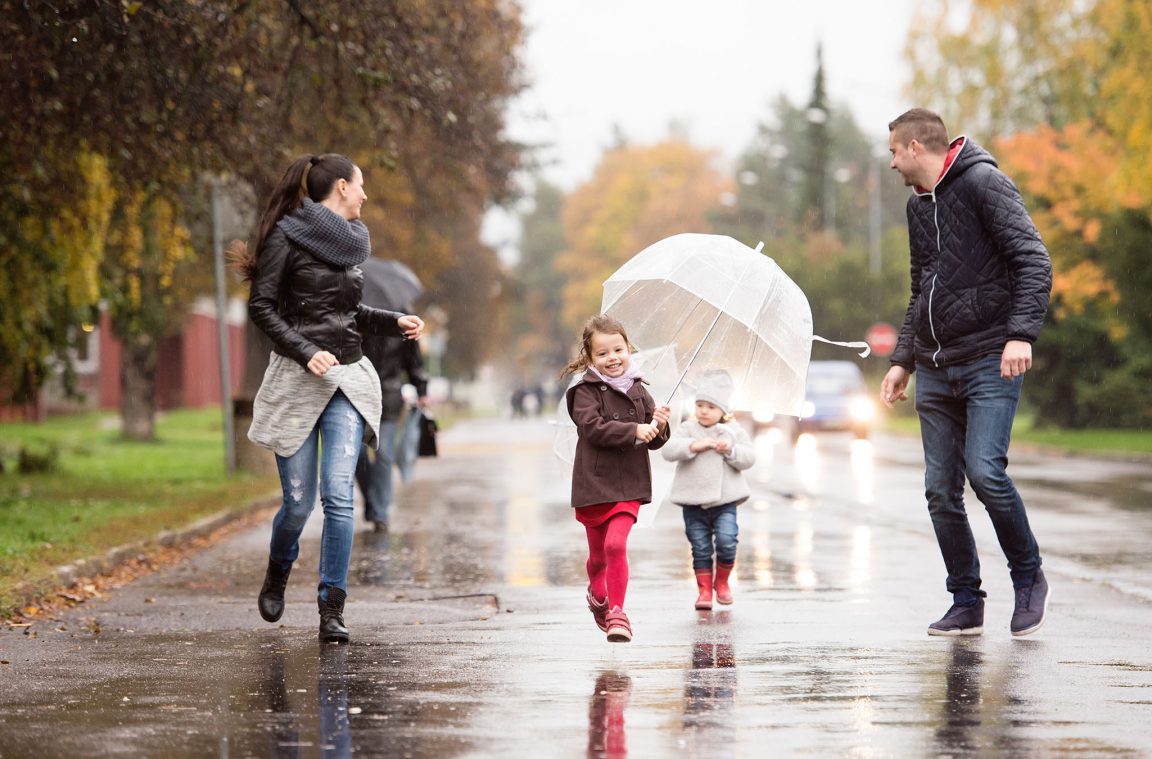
332	629
271	600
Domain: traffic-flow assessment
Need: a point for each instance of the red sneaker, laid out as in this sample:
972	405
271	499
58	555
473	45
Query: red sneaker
599	611
619	629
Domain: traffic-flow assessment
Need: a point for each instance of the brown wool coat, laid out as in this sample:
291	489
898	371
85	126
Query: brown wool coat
609	466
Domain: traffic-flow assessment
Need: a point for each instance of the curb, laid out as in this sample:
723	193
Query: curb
67	574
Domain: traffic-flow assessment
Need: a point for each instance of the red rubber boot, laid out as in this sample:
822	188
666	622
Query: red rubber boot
704	585
723	592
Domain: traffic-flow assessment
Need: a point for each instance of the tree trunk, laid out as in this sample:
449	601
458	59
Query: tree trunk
138	388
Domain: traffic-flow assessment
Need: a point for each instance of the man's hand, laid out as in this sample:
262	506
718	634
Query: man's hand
1016	359
412	326
893	388
321	362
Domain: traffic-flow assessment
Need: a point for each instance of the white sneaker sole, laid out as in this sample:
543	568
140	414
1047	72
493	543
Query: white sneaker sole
619	635
956	633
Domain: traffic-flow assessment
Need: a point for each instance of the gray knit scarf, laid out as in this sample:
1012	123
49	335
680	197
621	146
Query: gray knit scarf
327	235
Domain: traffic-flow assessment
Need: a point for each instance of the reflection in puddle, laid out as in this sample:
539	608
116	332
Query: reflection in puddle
606	734
710	686
860	561
802	572
961	704
761	544
806	459
335	739
862	457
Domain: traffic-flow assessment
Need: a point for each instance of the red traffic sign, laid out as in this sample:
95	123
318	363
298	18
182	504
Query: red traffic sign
881	338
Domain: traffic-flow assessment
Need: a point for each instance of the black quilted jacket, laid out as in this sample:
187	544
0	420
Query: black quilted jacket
980	272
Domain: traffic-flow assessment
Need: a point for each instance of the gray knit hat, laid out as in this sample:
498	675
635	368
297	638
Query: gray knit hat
716	388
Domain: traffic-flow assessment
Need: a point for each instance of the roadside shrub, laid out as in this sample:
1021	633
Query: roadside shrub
38	458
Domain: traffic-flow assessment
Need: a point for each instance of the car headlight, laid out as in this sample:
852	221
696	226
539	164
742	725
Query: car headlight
807	409
861	409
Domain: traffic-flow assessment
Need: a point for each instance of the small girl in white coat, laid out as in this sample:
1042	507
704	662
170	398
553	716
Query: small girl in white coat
711	454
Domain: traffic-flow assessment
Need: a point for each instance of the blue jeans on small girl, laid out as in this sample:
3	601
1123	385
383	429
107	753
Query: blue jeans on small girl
703	526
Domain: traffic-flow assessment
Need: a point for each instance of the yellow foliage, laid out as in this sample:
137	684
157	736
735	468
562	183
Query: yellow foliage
78	231
1082	285
638	195
1076	174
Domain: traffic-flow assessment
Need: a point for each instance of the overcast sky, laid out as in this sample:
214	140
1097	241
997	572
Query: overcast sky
713	67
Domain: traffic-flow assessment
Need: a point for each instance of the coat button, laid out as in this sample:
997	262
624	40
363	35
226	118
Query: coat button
615	416
603	388
631	412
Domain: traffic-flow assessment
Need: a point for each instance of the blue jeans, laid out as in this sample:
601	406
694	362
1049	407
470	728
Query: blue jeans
966	415
374	474
702	526
334	445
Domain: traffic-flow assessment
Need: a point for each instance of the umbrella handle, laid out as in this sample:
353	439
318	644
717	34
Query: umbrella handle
863	354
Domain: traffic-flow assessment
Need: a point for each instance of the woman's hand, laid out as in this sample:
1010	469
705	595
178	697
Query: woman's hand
321	362
412	326
661	416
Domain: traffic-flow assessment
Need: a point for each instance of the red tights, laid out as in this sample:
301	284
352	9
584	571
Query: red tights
608	559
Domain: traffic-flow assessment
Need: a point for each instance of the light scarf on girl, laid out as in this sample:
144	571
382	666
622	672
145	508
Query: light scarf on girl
624	382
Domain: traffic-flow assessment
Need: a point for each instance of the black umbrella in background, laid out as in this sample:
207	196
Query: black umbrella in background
390	285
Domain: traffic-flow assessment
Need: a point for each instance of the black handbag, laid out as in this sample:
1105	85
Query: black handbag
428	430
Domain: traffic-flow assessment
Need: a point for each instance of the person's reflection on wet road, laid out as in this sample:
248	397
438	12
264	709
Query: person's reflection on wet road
606	733
332	694
710	684
285	730
961	705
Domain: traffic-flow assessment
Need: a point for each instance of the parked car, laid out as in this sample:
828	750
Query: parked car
836	398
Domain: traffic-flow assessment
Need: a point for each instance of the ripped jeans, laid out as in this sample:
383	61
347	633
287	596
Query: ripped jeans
334	446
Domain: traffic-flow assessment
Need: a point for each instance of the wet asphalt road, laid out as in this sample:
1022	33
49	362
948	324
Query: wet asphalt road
470	636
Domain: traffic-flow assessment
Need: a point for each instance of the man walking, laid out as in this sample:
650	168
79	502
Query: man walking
397	361
981	278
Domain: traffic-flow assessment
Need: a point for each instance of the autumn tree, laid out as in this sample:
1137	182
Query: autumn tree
543	341
416	88
1049	85
638	195
854	269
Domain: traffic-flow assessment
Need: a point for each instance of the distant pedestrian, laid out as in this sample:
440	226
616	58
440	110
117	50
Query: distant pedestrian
396	361
711	455
981	279
617	423
320	397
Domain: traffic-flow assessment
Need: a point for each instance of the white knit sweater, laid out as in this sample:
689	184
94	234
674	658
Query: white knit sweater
708	478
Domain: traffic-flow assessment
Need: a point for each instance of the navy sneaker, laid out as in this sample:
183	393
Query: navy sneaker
1031	606
960	620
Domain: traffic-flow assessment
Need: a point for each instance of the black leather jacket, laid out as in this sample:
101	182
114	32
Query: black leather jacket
396	361
981	275
305	305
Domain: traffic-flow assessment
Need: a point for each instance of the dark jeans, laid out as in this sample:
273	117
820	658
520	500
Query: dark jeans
966	417
702	525
374	474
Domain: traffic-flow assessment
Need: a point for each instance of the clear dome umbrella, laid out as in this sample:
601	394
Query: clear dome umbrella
718	304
